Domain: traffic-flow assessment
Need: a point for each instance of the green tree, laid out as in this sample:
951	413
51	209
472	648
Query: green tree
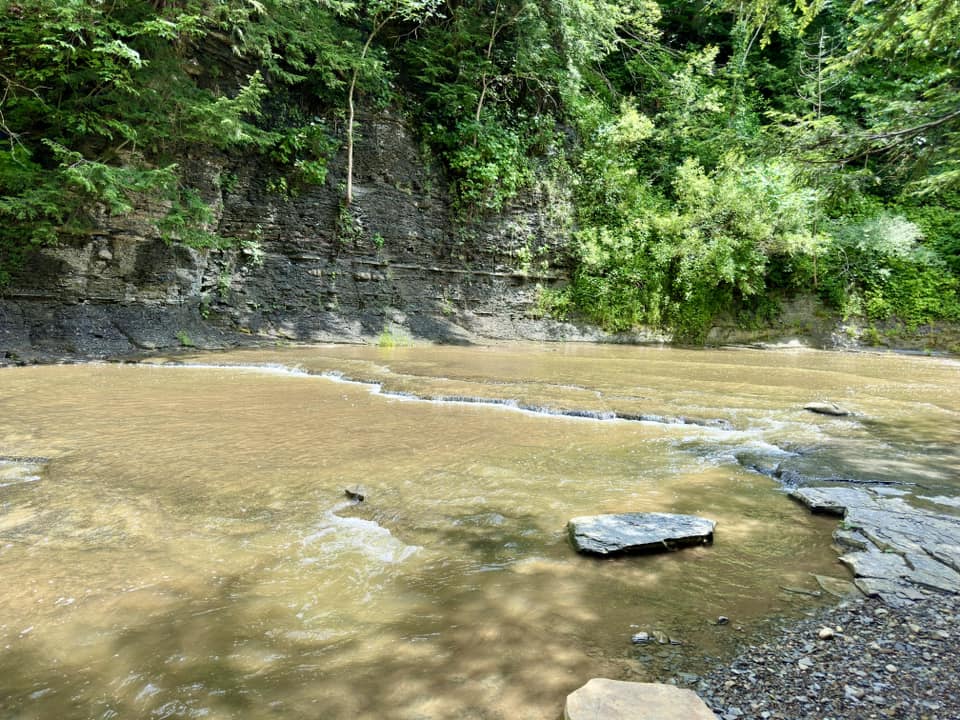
68	87
98	100
880	269
912	117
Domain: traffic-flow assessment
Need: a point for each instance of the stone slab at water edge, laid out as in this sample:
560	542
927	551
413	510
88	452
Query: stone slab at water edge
616	534
602	699
894	548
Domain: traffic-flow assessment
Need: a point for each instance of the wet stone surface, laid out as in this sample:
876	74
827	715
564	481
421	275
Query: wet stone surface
894	654
826	408
638	532
895	549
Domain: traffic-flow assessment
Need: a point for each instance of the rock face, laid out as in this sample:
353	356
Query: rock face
638	532
895	549
301	268
602	699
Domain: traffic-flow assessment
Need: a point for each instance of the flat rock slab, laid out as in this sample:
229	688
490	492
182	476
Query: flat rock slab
837	587
602	699
833	500
875	564
898	549
638	532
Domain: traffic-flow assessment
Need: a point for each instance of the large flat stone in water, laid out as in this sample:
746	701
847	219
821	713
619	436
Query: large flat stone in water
602	699
638	532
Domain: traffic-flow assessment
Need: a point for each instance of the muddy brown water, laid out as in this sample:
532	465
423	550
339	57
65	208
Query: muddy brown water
187	549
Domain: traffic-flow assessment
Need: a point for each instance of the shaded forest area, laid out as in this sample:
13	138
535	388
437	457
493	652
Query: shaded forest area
721	155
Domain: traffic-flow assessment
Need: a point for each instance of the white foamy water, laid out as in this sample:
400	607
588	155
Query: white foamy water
336	537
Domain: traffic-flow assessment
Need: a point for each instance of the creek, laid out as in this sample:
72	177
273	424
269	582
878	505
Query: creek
175	541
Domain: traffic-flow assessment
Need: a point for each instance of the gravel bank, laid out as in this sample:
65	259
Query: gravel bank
857	660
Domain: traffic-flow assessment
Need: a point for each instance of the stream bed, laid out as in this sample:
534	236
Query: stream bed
175	541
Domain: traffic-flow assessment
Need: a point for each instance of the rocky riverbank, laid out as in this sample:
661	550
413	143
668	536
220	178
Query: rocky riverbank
894	651
861	659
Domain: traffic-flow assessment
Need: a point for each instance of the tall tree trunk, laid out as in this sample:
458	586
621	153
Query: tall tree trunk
350	105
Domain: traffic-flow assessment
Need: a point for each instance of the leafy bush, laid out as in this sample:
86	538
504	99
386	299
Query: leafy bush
940	223
489	164
878	268
679	264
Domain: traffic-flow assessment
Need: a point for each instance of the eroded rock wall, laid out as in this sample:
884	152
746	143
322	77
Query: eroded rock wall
399	259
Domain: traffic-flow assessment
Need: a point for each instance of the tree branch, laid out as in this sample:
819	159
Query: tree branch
916	129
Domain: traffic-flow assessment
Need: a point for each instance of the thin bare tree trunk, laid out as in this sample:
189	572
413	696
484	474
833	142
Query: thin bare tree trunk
483	80
350	107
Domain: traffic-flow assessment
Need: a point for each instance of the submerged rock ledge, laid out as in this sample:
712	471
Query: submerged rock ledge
894	549
376	386
718	423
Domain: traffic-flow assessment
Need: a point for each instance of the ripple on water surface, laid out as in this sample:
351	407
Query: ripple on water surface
187	550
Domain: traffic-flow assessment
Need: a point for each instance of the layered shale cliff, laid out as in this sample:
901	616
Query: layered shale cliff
401	262
303	267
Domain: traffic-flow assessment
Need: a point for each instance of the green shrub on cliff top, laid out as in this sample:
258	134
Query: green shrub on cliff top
879	268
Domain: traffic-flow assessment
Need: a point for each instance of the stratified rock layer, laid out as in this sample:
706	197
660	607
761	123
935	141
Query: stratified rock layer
638	532
297	267
895	549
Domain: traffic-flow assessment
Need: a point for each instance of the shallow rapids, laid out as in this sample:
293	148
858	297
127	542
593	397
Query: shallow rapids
175	540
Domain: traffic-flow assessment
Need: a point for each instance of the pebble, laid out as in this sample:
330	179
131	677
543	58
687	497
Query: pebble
853	693
876	671
825	633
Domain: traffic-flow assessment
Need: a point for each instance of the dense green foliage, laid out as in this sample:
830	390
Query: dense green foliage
722	155
98	100
773	148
